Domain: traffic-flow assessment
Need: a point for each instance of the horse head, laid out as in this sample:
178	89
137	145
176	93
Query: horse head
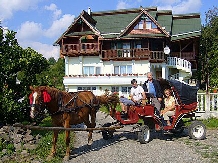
110	101
38	99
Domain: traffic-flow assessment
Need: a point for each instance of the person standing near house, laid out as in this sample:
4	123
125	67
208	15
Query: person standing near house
136	95
152	87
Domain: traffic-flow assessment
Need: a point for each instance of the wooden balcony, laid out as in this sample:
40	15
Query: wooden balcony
133	54
184	55
91	49
74	50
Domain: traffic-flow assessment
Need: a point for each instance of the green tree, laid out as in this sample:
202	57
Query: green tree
16	64
209	49
53	75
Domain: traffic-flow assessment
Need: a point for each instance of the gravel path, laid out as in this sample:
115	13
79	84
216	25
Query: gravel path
124	147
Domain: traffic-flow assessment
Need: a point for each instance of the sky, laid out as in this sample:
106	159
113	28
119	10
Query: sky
39	23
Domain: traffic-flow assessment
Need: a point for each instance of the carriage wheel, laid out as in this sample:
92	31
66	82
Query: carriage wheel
144	134
197	130
107	134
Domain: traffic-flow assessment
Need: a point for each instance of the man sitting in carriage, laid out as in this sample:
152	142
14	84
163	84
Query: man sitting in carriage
137	94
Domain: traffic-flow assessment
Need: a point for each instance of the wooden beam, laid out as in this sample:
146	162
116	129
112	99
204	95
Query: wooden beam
66	129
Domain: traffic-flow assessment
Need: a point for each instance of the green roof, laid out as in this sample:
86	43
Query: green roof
185	35
114	23
165	21
117	20
111	23
188	27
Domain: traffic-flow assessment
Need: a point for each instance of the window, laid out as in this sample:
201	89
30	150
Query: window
139	25
88	70
114	89
113	45
86	88
98	70
124	69
148	25
145	21
126	51
125	90
138	45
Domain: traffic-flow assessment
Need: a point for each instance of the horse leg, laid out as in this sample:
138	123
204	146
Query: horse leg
54	144
67	141
93	124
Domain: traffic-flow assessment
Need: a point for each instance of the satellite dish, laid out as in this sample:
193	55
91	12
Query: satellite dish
166	50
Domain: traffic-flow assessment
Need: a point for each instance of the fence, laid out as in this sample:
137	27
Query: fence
207	105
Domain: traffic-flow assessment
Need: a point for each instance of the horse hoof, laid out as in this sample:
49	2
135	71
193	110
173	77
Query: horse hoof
66	158
90	142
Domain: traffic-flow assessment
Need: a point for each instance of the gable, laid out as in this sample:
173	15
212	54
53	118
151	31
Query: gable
144	25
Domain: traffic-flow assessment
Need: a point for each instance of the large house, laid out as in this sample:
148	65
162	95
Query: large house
106	50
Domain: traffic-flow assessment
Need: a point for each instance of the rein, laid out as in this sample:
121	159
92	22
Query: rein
65	109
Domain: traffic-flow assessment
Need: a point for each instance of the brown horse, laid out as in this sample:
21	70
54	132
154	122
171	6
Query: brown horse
65	109
110	101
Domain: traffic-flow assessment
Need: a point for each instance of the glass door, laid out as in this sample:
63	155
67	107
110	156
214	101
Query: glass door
126	49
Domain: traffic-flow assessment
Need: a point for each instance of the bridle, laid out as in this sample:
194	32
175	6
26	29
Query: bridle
39	109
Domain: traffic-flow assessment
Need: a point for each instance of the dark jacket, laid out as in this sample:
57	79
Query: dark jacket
156	87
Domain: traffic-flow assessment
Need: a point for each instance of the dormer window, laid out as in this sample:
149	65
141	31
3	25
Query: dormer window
145	23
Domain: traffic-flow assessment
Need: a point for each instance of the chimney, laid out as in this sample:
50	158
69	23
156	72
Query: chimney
89	11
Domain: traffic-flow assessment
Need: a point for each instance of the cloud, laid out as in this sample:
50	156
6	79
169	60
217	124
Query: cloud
30	34
46	50
53	8
8	8
122	5
179	6
59	26
30	31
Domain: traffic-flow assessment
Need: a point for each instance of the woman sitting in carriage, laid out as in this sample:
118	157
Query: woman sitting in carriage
169	109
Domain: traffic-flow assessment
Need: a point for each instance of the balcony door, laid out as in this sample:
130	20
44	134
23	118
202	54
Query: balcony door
126	49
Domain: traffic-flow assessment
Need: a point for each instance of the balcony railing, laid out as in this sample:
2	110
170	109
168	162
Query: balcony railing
184	55
83	48
132	54
179	63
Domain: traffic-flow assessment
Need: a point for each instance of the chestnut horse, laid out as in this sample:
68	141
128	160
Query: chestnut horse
65	109
110	101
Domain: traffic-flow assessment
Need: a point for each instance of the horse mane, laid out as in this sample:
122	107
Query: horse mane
53	92
108	100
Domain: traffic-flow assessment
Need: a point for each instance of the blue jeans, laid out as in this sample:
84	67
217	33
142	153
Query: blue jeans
126	101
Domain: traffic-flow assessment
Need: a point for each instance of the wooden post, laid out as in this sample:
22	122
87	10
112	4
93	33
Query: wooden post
67	129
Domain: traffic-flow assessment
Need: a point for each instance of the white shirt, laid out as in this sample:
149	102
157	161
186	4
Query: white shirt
137	92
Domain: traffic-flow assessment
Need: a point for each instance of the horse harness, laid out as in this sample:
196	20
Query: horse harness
65	108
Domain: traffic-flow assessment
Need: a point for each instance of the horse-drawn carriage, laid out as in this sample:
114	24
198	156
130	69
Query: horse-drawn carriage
186	105
68	109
